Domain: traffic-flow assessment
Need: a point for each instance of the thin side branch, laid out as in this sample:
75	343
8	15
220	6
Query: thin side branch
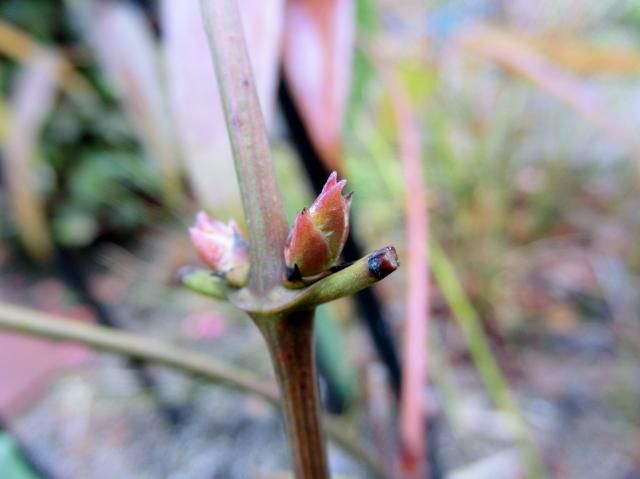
57	328
349	280
356	277
24	320
203	281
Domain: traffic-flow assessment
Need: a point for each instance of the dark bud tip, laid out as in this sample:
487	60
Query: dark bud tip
184	272
293	274
383	262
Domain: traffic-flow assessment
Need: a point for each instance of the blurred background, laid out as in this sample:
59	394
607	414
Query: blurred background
495	143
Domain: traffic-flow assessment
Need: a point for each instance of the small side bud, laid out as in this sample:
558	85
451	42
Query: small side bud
221	248
320	232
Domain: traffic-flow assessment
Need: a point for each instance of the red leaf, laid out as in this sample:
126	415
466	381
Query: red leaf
318	48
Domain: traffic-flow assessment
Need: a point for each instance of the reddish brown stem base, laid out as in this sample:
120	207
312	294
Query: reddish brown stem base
291	345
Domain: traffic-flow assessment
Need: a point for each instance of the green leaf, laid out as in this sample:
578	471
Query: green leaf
12	464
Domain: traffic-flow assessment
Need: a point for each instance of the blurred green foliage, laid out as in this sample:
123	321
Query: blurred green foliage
95	181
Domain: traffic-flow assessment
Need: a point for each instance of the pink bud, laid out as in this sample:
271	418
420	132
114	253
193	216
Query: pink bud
320	232
221	247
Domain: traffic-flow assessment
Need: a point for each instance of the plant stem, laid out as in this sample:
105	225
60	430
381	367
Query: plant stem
256	177
290	341
31	322
202	281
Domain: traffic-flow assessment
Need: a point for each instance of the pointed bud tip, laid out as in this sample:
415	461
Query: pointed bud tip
332	182
348	197
202	220
293	273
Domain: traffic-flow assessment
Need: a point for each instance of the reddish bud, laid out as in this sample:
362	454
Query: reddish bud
320	232
222	248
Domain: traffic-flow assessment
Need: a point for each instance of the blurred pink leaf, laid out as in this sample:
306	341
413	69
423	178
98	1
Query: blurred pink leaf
31	103
126	50
512	53
416	337
194	94
204	325
318	48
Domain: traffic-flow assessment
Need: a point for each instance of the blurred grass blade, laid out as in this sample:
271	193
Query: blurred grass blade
31	102
518	57
481	354
581	57
20	47
193	91
334	357
483	358
318	51
125	48
416	337
15	43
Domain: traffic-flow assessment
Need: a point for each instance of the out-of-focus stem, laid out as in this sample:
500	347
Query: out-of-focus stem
203	281
416	337
57	328
24	320
256	177
290	341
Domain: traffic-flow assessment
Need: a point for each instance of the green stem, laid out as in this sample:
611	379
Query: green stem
290	341
356	277
256	177
203	281
349	280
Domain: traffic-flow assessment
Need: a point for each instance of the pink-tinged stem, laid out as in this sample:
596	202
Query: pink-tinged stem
290	340
256	177
412	407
